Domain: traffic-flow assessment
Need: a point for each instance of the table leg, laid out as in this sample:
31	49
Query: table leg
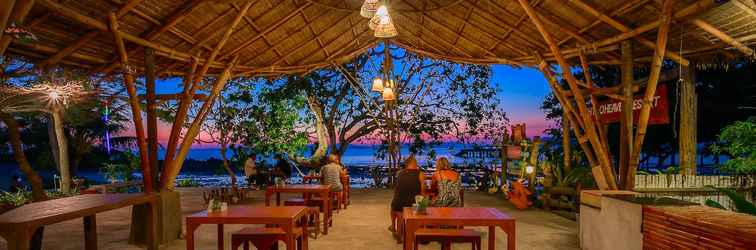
491	237
305	231
409	234
267	198
328	212
291	242
511	238
90	232
190	228
19	239
278	199
220	236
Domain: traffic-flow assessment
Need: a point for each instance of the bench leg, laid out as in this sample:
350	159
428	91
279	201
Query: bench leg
90	232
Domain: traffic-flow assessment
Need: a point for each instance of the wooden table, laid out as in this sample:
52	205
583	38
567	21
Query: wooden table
18	225
284	217
460	216
309	179
306	190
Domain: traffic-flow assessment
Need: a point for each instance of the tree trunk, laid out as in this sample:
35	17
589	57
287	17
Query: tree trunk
62	145
230	171
14	137
320	153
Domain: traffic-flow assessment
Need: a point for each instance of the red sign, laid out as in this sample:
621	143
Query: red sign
610	111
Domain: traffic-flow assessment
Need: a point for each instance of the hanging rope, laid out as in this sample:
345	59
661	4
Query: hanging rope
678	90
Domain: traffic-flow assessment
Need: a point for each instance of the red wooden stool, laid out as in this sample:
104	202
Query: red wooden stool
295	202
262	237
448	236
313	213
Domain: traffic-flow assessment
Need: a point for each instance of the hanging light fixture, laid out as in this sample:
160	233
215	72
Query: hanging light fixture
377	85
388	94
368	9
376	19
385	28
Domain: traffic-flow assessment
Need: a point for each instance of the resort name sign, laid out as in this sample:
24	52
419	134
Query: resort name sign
610	111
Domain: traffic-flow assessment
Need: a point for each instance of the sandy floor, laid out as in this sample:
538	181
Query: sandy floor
362	226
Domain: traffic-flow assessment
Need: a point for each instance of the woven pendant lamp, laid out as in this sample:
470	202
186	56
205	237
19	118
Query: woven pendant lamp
388	94
385	28
377	85
376	19
368	9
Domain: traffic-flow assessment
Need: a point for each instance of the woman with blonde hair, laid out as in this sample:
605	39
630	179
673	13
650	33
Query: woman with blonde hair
447	182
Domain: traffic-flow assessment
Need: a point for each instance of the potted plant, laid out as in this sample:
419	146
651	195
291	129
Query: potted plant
421	204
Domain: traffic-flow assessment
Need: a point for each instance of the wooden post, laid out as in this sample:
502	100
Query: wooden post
149	78
20	9
589	126
566	147
6	7
688	121
653	80
136	109
626	118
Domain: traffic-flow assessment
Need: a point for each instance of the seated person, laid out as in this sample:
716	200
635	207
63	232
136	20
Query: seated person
446	181
409	184
331	173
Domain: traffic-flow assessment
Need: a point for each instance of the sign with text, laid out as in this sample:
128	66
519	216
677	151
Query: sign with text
611	110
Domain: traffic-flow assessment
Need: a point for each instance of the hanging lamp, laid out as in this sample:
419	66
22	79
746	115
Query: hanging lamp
385	28
379	15
377	85
388	94
369	7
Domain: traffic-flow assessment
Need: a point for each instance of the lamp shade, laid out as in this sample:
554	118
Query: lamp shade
529	169
388	94
368	9
376	19
377	85
385	28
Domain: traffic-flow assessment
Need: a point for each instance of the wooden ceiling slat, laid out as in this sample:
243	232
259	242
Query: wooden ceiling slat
257	30
317	37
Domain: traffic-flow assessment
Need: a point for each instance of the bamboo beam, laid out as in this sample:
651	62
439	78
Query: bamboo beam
623	28
152	130
20	9
723	37
688	122
589	127
295	49
513	28
566	145
6	8
278	23
184	103
626	118
134	103
173	167
653	80
594	103
81	41
625	8
45	49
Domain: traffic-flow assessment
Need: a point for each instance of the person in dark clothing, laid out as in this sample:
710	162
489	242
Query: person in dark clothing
409	184
283	168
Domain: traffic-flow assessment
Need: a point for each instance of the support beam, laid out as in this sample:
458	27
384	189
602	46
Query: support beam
723	37
20	9
6	7
86	37
623	28
136	109
589	126
594	102
626	118
653	80
152	131
566	145
688	121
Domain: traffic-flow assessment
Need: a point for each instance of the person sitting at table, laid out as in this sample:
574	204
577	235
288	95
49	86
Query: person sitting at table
446	181
409	184
331	173
250	170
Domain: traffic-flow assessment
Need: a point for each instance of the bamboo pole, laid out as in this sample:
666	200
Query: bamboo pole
172	169
723	37
594	102
185	100
566	146
136	110
623	28
589	128
86	37
653	80
5	11
688	121
152	131
20	9
626	118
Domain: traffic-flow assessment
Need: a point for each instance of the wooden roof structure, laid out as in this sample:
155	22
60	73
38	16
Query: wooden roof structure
296	36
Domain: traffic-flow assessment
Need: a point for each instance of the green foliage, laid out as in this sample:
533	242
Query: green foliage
122	171
188	182
714	204
741	204
739	141
16	199
668	171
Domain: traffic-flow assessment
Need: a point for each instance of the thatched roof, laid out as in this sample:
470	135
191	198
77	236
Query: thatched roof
294	36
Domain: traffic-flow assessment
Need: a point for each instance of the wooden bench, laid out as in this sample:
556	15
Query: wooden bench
313	213
262	237
448	236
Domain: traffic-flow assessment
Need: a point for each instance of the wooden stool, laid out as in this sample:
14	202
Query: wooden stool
336	201
448	236
262	237
295	202
399	222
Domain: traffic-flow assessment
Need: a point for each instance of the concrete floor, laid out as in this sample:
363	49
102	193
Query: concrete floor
362	226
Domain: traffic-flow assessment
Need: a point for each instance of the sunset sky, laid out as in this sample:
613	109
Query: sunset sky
521	92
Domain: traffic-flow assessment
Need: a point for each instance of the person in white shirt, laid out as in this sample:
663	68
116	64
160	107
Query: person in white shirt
250	170
331	173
